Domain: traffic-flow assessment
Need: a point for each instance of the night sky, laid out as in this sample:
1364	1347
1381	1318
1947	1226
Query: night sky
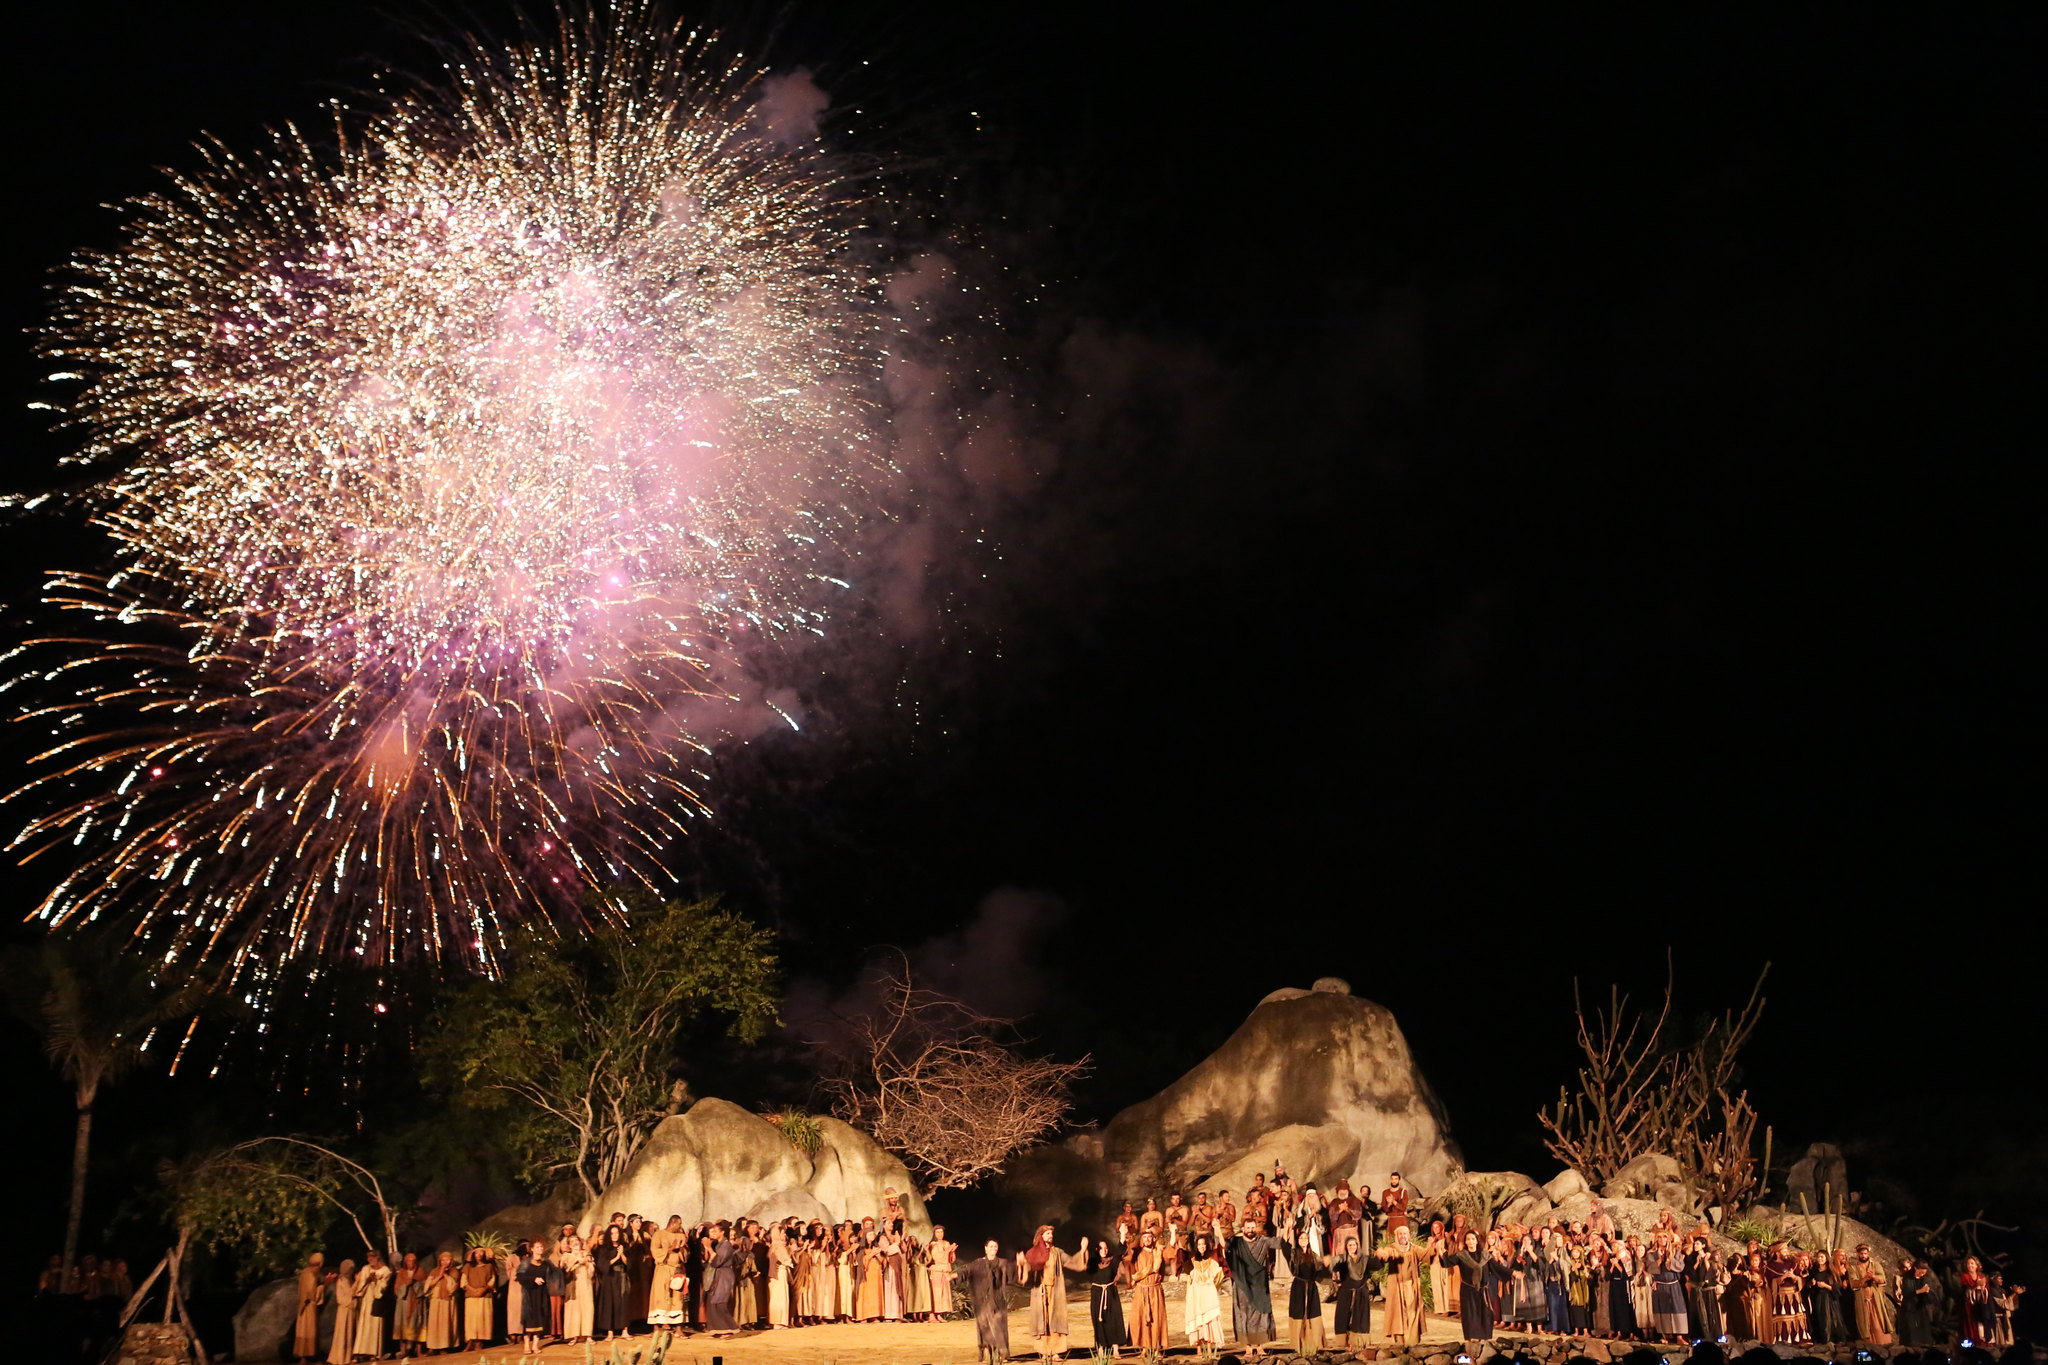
1521	497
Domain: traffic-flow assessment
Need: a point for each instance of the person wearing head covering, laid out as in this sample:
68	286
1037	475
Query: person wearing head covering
341	1348
1250	1260
373	1307
1873	1299
442	1322
1044	1267
312	1293
665	1304
986	1280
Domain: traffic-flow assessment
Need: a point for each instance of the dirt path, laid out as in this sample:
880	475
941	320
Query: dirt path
873	1343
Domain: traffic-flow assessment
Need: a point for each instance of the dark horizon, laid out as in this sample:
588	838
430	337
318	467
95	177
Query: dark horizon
1532	496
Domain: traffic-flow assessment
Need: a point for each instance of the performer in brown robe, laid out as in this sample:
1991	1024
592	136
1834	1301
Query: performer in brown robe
1873	1299
312	1293
443	1325
1403	1290
479	1287
667	1302
1044	1267
1148	1295
1394	1203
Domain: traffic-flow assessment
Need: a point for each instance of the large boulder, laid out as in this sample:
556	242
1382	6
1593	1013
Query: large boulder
1529	1209
851	1172
564	1204
1641	1178
716	1160
1824	1232
1565	1184
265	1321
1821	1176
1484	1197
1320	1079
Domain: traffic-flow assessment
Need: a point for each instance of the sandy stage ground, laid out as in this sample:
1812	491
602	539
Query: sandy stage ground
944	1343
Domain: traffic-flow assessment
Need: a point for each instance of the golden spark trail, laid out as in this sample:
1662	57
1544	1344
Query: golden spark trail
454	468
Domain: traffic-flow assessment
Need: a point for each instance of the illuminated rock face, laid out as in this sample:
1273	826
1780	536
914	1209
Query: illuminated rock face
1319	1079
719	1161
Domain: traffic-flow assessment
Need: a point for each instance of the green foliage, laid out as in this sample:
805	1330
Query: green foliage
804	1131
94	1004
577	1041
269	1207
497	1243
1750	1230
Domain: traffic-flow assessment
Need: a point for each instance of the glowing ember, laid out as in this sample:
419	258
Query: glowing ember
448	462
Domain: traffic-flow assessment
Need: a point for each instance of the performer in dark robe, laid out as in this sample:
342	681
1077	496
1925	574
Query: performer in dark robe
1916	1305
1354	1291
1703	1291
721	1281
1497	1283
532	1275
1556	1287
1621	1308
1105	1304
613	1274
1475	1315
986	1279
1824	1302
1531	1308
1305	1295
1742	1301
1250	1257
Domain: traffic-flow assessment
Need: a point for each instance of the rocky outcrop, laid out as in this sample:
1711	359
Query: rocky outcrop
264	1323
1650	1176
1319	1079
1484	1197
716	1160
1822	1176
544	1219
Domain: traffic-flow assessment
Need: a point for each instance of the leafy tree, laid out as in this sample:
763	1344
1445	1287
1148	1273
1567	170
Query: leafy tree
271	1200
579	1040
96	1007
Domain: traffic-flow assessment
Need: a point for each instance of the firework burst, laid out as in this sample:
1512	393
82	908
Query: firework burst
459	463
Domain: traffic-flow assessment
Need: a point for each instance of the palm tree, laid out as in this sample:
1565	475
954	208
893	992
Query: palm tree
96	1008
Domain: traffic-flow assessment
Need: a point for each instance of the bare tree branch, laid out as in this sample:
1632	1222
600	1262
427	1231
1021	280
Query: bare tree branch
943	1085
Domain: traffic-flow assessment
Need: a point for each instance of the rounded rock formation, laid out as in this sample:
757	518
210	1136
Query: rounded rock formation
1320	1079
716	1160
